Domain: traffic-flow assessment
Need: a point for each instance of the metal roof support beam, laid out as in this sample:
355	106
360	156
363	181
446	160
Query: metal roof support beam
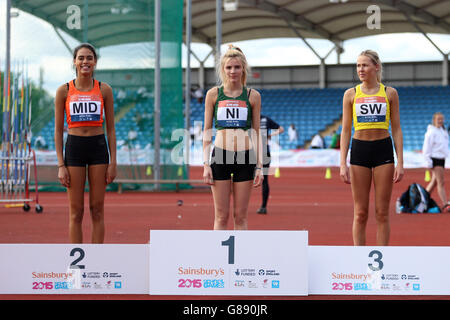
322	68
445	70
304	40
86	21
218	29
444	55
201	70
289	17
187	92
63	40
292	17
339	51
409	9
157	93
201	75
201	36
8	46
322	74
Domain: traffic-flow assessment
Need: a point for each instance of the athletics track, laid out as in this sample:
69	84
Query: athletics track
301	199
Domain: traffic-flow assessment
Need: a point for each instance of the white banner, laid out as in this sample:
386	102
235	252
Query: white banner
280	158
379	270
228	262
74	269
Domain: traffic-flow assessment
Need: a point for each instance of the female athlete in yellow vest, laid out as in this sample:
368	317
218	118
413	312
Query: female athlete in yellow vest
372	106
236	160
84	100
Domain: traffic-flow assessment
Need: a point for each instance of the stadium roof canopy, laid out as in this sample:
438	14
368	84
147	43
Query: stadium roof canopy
323	19
113	22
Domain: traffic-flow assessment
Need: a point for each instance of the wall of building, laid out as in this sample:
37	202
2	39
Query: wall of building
337	75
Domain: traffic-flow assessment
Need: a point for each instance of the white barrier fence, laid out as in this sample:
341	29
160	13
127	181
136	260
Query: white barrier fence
253	263
280	158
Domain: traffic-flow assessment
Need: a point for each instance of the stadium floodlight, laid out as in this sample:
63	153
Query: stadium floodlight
230	5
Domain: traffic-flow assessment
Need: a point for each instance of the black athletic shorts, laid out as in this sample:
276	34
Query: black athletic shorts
239	163
81	151
371	154
438	162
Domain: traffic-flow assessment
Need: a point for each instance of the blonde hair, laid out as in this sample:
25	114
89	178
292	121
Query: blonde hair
375	60
435	115
232	52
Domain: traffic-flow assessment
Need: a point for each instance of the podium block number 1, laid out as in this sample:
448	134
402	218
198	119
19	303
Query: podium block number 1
230	244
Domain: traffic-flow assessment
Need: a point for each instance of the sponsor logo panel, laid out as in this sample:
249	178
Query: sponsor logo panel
360	282
75	280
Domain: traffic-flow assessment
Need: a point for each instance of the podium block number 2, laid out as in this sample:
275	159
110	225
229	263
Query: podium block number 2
74	265
230	244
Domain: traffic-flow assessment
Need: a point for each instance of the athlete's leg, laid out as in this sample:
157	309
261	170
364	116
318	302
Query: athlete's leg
432	184
221	190
265	191
439	173
361	180
76	203
241	197
97	188
265	195
382	180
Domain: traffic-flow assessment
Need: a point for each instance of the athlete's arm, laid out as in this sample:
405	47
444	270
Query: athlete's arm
275	128
397	134
108	100
347	108
426	149
210	100
255	102
60	103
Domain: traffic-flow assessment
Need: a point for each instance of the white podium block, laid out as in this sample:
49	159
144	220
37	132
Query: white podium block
193	262
343	270
74	269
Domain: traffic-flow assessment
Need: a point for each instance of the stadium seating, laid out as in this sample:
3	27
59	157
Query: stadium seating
310	110
417	106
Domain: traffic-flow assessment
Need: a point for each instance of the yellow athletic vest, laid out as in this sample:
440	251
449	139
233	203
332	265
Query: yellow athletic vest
371	111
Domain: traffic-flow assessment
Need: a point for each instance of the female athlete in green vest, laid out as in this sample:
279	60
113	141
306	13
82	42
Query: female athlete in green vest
236	160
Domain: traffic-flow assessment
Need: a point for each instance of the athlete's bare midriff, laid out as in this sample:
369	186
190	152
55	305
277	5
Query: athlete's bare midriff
371	134
86	131
233	139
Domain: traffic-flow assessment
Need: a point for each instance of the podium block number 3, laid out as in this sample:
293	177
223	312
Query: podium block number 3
230	244
376	255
